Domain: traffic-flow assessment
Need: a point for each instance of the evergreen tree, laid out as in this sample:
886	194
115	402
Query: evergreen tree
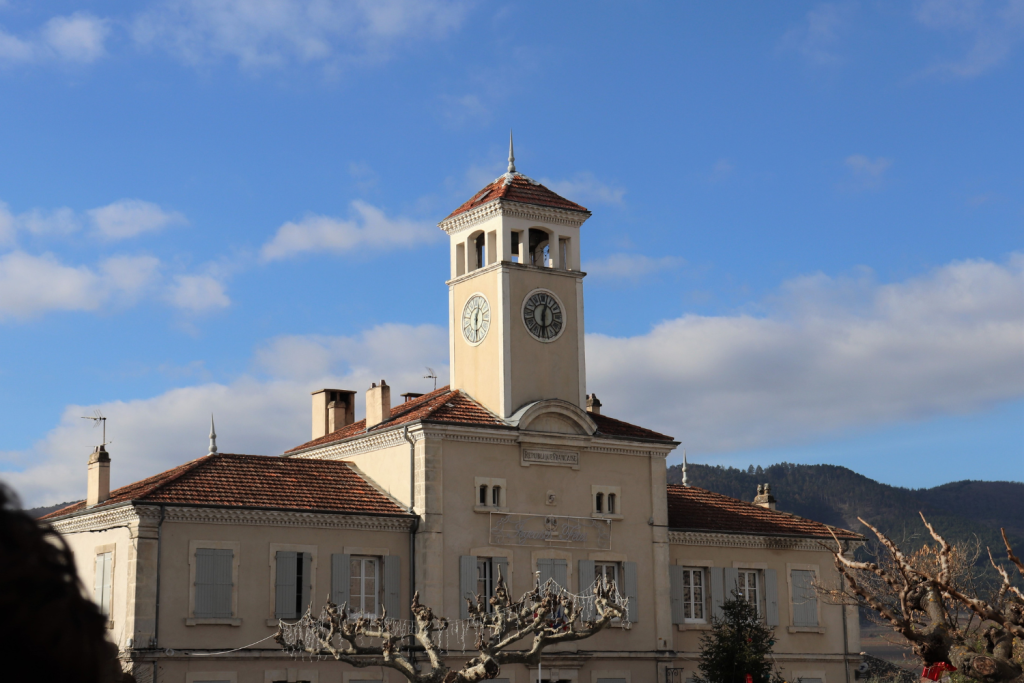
738	644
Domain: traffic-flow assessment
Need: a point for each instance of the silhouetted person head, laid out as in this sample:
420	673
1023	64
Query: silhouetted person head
48	628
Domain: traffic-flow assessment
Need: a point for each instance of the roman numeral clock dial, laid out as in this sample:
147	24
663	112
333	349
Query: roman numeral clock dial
476	319
542	315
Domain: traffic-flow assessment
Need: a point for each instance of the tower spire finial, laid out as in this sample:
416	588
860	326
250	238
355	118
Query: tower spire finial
511	154
685	482
213	437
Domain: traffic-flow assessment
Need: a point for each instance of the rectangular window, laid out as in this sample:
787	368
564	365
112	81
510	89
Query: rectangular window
805	600
292	584
609	571
485	580
102	593
748	587
693	595
364	582
213	583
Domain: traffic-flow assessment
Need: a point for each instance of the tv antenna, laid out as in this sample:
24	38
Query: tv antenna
97	420
432	375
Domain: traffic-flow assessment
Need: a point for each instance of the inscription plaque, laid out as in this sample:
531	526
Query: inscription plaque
552	531
538	456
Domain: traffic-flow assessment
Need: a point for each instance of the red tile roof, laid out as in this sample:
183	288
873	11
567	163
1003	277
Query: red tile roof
516	187
695	509
440	405
609	426
226	479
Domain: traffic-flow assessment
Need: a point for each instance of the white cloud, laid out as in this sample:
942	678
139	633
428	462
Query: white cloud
630	266
585	188
277	32
79	37
32	285
993	30
867	173
197	293
816	38
262	416
130	217
371	229
832	355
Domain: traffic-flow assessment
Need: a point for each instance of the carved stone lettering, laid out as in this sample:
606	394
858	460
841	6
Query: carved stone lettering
552	531
551	457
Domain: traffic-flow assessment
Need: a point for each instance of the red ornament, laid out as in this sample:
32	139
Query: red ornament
750	679
935	671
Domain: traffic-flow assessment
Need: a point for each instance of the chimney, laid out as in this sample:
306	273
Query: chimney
378	404
593	404
764	497
332	410
98	487
409	396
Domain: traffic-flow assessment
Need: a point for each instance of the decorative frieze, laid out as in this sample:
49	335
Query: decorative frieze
550	531
724	540
548	214
545	456
353	446
288	518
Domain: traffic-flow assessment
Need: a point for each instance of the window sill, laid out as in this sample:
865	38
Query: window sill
488	508
605	515
695	626
212	621
805	629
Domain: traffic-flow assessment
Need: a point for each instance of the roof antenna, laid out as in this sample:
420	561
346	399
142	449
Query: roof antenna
213	437
685	482
97	419
432	375
511	155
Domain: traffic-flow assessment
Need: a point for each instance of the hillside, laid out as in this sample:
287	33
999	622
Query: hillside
837	495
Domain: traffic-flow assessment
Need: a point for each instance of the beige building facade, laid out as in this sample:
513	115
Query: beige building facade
512	468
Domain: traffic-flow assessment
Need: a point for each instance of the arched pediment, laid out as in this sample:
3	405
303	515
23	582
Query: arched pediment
553	415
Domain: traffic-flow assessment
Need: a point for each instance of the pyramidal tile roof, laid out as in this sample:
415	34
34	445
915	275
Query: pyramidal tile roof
515	187
232	480
691	508
455	407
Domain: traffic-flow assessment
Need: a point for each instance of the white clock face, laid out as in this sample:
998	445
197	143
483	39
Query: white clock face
476	319
543	316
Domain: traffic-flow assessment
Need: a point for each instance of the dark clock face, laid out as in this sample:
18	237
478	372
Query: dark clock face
543	316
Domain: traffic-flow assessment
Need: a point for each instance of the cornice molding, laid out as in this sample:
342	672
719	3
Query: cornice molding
286	518
354	445
105	518
507	207
724	540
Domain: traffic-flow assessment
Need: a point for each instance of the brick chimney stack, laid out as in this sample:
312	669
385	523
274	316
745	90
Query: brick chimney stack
764	497
98	487
378	404
593	404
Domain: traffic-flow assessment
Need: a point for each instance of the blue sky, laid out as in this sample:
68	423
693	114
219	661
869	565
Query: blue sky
806	240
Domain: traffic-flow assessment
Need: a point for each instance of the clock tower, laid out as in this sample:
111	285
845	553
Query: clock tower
515	296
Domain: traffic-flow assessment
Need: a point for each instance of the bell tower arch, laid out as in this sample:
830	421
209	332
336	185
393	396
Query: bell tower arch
516	295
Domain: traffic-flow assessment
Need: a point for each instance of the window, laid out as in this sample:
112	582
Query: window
479	250
606	501
490	494
485	580
292	583
102	592
805	600
693	595
609	571
364	582
214	583
747	585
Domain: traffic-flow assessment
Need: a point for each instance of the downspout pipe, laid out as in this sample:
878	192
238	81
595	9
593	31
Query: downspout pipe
156	611
412	510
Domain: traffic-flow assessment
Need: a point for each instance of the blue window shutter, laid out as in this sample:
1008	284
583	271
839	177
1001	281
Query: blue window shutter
340	575
307	582
467	583
586	579
223	564
771	597
206	589
284	590
732	581
629	578
560	573
675	580
393	586
805	600
545	569
717	591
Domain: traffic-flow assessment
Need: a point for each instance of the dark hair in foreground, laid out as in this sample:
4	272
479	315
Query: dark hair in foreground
48	628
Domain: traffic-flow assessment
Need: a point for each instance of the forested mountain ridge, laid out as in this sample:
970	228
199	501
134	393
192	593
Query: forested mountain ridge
837	495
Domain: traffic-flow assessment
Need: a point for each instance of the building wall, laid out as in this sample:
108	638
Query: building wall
85	547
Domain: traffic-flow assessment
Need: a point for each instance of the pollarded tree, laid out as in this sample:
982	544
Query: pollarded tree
919	600
739	644
544	616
